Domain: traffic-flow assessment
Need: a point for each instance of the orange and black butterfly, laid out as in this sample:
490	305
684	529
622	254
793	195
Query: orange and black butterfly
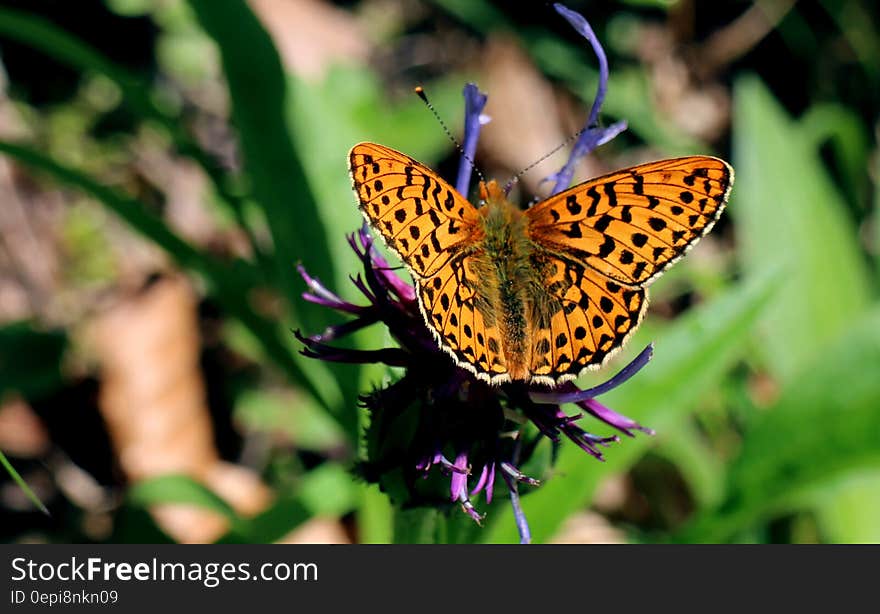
545	293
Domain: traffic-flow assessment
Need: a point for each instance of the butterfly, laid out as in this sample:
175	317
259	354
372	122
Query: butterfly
546	293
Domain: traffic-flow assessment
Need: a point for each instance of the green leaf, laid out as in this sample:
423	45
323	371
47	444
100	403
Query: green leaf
260	96
849	512
294	415
690	357
844	130
129	209
699	465
282	517
180	489
415	526
825	425
328	490
477	14
22	484
788	214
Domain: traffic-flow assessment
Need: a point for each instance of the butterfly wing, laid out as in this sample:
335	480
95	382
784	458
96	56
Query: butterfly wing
632	224
585	320
423	219
463	323
433	229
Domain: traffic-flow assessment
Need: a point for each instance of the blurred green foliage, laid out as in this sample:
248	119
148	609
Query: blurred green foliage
796	302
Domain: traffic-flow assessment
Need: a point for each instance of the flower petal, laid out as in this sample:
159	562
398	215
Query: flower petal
474	102
592	136
569	393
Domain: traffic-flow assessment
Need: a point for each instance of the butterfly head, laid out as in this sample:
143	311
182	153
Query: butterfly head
491	192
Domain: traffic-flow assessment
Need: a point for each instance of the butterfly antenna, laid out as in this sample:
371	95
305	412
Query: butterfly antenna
516	177
420	92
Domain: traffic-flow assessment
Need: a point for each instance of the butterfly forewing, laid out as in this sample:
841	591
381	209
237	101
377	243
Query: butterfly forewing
420	216
632	224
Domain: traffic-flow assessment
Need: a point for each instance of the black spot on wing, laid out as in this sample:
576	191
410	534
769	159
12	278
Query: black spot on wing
639	269
603	222
574	231
607	247
593	193
657	223
608	188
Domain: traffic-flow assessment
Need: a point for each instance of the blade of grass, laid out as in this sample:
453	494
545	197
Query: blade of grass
282	517
22	484
690	357
180	489
259	88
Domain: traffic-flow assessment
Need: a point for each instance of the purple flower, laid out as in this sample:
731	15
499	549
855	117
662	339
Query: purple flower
437	434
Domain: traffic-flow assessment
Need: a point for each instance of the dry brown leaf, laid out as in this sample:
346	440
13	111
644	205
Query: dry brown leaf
22	433
311	35
588	528
525	123
317	531
153	401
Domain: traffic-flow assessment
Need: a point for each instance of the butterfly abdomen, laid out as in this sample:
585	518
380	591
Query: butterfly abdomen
507	254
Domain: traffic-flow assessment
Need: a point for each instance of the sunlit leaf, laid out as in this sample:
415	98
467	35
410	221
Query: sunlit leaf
788	214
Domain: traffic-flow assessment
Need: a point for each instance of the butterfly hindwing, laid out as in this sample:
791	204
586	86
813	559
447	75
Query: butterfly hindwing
420	216
587	317
632	224
461	323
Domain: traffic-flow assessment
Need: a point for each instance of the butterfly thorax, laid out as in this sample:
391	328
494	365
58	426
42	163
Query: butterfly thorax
506	275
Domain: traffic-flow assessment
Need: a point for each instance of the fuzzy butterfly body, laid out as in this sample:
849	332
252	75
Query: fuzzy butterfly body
545	293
